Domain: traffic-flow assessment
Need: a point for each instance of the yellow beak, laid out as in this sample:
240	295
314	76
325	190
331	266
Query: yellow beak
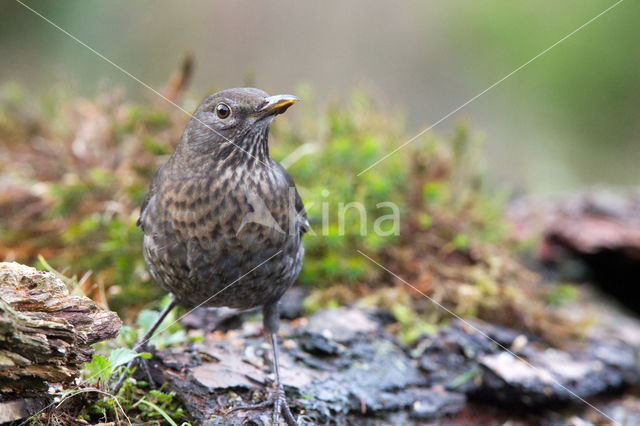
278	104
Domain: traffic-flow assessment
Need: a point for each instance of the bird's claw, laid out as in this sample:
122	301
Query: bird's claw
278	401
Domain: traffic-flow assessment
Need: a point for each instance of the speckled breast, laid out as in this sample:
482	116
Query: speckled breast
228	241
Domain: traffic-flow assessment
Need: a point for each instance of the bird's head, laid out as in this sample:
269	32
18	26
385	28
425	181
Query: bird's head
236	117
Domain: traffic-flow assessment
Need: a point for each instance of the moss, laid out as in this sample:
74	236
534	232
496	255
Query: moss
452	243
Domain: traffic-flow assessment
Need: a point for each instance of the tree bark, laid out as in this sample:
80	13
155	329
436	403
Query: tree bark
45	332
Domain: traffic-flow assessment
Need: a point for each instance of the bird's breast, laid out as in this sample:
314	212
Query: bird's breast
228	206
204	232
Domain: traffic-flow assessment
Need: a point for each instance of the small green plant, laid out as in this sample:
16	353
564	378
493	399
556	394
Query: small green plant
169	333
135	399
100	369
137	403
160	405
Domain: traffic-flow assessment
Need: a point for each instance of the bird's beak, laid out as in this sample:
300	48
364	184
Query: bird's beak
277	104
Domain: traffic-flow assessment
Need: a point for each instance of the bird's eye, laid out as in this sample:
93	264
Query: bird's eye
223	111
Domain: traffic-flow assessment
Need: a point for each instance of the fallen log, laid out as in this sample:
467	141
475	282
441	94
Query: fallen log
587	236
340	366
45	332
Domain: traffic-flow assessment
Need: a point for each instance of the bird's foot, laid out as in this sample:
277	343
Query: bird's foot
278	401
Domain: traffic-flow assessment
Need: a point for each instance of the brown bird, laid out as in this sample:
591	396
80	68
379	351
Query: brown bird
223	221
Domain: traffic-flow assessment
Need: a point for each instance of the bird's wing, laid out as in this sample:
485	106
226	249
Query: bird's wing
302	213
301	217
147	198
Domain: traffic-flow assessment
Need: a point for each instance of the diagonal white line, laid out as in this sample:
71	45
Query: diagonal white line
100	55
140	344
431	299
492	86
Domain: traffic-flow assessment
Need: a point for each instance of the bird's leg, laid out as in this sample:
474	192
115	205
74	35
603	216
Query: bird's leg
142	343
278	399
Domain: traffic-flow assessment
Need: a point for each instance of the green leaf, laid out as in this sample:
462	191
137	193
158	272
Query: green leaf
99	368
121	356
146	318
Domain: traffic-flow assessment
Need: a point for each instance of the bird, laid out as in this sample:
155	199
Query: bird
223	222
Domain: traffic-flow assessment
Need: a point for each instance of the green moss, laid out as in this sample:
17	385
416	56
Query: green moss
88	223
562	294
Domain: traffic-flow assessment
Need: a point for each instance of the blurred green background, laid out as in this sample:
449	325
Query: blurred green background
567	120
